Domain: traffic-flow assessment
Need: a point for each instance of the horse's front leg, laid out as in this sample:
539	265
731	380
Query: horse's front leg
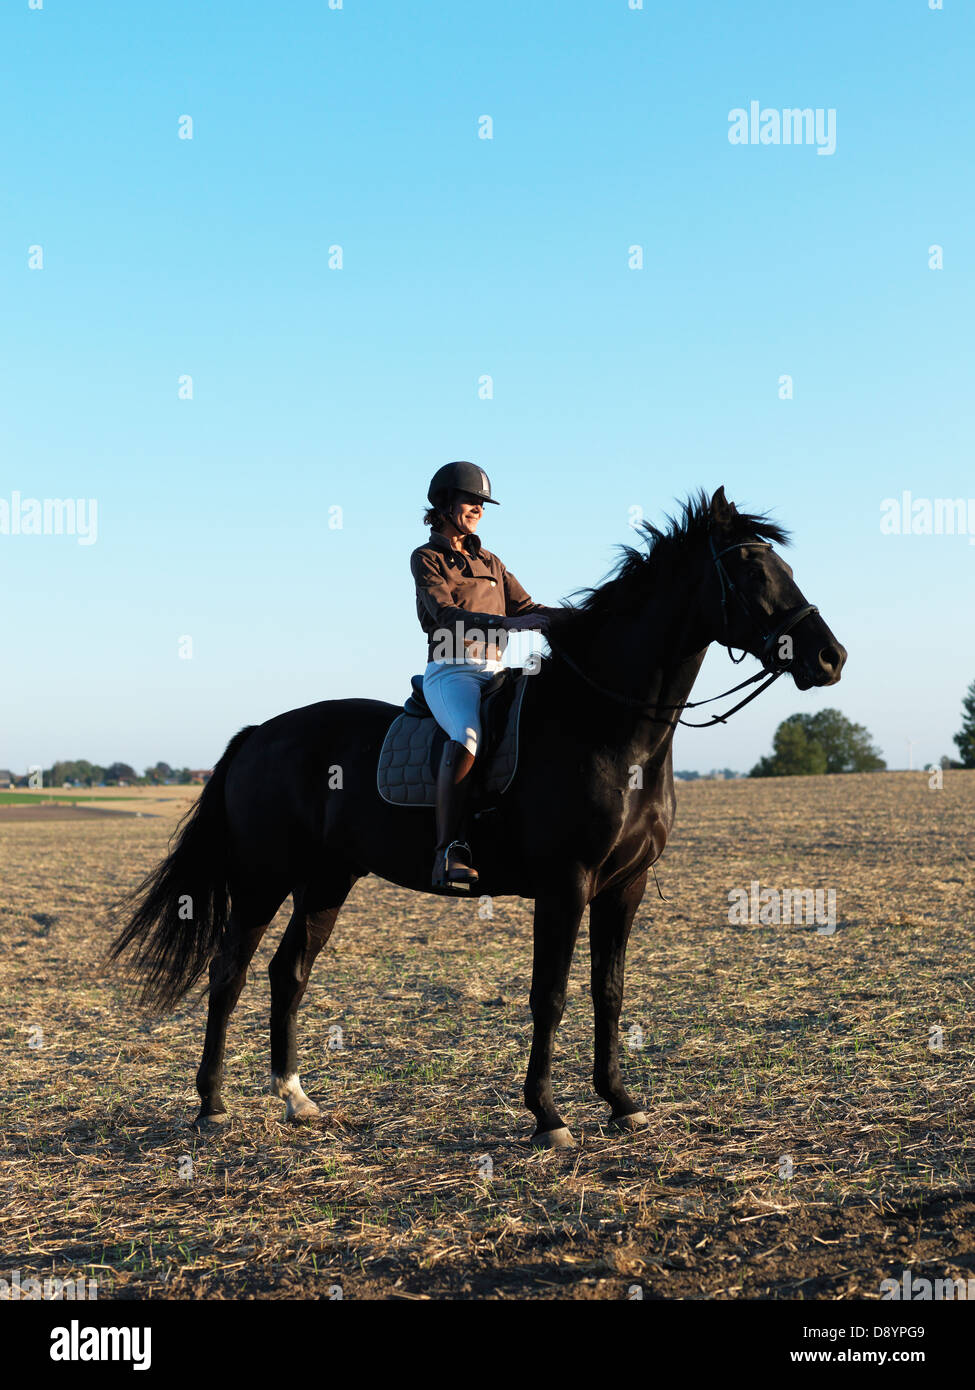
610	918
558	913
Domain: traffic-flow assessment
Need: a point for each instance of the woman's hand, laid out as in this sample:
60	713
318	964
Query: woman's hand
528	622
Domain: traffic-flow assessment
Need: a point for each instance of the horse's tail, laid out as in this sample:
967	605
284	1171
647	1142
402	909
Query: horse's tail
180	910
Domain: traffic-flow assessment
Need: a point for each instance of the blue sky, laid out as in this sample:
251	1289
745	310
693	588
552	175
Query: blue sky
316	388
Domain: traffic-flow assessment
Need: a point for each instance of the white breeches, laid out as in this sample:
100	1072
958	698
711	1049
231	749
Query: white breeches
453	692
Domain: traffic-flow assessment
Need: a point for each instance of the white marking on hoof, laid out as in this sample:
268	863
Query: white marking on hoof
554	1139
297	1105
629	1122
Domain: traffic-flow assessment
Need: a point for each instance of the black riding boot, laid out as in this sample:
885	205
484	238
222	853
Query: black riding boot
452	867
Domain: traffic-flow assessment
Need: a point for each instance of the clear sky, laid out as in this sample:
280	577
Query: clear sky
316	388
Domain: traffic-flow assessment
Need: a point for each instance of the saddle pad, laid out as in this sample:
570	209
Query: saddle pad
404	775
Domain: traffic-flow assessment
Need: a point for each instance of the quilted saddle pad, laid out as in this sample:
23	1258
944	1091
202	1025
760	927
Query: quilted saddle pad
410	756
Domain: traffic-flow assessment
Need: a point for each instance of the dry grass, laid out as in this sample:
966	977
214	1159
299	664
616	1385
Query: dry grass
758	1042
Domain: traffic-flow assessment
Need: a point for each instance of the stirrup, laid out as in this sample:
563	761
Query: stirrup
441	878
461	845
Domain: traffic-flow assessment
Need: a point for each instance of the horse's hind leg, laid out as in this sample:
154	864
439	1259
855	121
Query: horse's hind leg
317	907
250	917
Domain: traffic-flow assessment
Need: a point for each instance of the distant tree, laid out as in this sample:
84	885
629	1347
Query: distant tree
121	772
78	770
848	746
827	741
160	773
965	740
794	754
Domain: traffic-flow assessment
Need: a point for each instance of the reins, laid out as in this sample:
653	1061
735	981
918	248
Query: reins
791	620
648	709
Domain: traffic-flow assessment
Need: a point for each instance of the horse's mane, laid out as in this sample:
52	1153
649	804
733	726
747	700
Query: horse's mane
665	551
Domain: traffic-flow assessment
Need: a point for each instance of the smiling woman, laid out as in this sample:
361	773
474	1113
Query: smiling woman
466	602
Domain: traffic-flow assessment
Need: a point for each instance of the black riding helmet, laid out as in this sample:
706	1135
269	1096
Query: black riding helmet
459	477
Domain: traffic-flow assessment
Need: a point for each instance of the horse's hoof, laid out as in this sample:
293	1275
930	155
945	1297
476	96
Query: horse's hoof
306	1112
638	1120
553	1139
205	1124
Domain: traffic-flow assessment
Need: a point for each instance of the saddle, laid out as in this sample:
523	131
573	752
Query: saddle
410	756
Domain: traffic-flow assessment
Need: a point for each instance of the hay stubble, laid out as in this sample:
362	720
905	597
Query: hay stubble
752	1045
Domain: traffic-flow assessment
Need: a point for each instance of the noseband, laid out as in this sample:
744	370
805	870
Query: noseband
771	669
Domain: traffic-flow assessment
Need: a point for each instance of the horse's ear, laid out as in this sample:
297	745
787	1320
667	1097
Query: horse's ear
721	509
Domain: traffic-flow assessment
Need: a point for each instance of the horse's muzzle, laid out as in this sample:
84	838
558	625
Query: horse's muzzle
824	670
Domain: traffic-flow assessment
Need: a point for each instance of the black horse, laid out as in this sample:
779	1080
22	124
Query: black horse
292	805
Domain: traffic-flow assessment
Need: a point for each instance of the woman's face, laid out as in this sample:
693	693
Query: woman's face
466	513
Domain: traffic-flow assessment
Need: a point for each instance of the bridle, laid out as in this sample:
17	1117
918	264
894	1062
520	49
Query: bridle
767	655
791	619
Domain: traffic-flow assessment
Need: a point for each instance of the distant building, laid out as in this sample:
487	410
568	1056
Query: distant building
6	778
201	776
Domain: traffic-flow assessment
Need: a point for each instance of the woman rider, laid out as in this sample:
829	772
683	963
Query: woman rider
464	598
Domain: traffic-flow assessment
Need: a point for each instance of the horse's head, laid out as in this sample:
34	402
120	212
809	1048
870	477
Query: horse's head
753	603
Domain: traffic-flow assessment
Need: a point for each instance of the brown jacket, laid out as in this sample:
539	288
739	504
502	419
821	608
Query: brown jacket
470	587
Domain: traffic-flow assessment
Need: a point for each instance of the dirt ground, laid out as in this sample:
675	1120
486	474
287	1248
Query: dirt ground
809	1091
